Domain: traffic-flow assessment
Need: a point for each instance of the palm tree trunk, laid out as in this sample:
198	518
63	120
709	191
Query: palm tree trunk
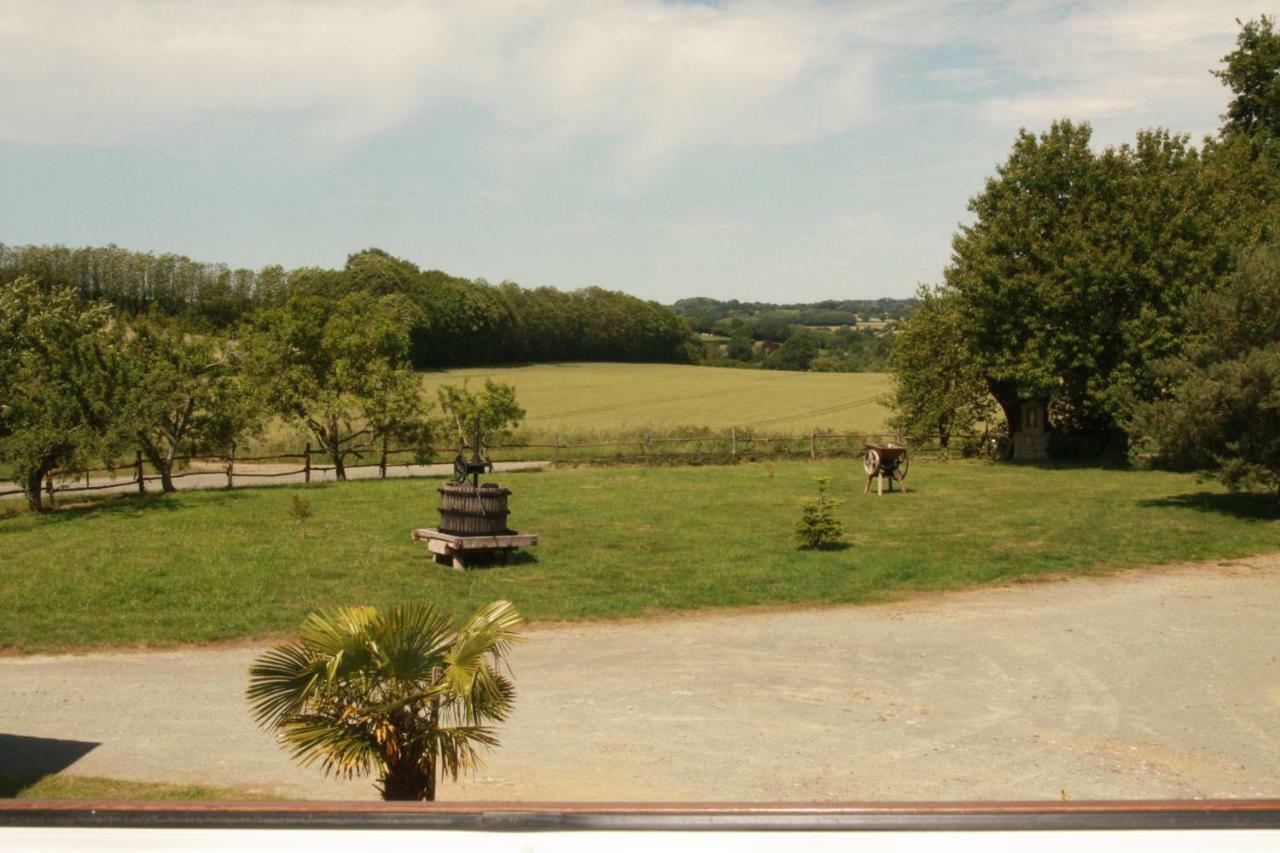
408	781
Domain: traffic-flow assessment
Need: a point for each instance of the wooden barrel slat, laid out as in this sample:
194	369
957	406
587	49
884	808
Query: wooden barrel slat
468	511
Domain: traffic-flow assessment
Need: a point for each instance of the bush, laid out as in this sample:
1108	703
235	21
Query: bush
818	526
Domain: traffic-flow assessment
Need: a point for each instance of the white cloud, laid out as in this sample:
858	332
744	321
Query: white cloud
655	78
645	80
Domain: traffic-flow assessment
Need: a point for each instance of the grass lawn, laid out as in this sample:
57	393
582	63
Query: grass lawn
616	542
70	787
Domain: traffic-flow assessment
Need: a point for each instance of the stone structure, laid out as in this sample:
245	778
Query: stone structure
1031	441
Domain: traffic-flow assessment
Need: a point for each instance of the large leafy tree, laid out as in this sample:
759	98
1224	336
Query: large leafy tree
402	693
1253	73
61	373
938	390
183	392
339	366
1065	281
1221	409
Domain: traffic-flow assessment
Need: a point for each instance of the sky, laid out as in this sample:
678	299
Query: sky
763	151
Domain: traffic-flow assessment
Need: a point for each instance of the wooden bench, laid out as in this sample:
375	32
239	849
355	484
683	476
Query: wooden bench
453	550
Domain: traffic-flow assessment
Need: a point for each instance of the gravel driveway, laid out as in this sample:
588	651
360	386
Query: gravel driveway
1158	683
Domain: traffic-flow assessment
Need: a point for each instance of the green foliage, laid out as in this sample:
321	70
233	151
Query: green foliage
300	508
740	348
61	376
1221	412
1253	73
495	407
938	389
339	367
402	693
456	321
1071	279
183	393
818	526
796	353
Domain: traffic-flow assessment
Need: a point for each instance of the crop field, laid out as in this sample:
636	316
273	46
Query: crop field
590	397
615	543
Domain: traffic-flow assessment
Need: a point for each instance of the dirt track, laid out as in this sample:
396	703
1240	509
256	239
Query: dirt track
1164	683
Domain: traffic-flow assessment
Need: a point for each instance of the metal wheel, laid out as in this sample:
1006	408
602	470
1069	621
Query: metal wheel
902	466
871	462
459	468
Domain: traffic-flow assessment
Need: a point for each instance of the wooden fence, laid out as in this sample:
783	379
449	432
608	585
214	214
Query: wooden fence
704	448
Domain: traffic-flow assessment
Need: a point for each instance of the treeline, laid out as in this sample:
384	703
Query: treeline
846	350
771	321
455	321
1130	292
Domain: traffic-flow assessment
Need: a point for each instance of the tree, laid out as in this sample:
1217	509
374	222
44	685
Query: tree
340	367
796	352
1221	410
182	391
740	347
938	389
495	407
1253	73
60	377
1071	279
818	526
402	693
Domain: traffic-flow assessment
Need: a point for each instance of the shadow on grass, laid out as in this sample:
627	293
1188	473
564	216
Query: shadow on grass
69	509
478	561
1246	505
831	546
27	760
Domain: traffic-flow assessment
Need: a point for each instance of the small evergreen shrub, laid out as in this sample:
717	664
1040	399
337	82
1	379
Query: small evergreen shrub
300	509
818	526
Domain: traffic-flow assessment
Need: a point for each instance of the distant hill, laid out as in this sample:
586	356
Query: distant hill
704	313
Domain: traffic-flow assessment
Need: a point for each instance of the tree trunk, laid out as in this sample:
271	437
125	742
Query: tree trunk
1006	394
162	462
335	451
32	485
408	781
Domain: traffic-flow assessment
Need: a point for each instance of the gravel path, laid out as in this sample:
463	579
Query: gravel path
249	476
1163	683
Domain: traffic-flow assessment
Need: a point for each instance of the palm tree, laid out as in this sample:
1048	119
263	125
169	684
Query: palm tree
402	692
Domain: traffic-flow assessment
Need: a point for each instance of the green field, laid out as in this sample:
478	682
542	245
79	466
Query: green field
616	542
586	397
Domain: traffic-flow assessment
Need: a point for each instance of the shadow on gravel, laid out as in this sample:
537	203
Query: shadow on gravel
1251	506
28	759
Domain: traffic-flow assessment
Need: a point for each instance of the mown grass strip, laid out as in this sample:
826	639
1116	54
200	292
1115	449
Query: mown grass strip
615	543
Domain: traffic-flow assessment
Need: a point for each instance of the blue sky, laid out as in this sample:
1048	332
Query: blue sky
768	151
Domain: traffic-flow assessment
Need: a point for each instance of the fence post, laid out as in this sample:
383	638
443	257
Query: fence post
813	444
306	464
382	463
48	486
556	453
733	442
647	460
231	464
137	470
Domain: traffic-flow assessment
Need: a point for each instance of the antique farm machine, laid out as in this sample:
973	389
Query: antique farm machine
473	515
885	460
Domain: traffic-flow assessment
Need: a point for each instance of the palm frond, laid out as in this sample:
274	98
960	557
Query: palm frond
342	749
412	639
490	631
281	681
